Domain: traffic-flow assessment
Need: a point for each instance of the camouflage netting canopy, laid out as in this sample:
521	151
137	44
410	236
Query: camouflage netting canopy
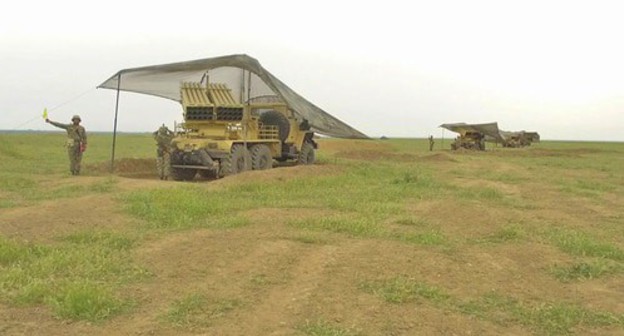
244	75
490	130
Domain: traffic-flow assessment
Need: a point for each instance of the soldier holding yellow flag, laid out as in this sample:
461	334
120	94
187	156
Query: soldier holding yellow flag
76	140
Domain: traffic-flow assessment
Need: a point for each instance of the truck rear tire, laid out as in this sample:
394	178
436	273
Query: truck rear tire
239	160
261	157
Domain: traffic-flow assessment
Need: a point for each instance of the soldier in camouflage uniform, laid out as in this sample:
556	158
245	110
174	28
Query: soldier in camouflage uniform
163	138
76	142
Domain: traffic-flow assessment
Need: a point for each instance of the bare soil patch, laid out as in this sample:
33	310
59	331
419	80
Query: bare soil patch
50	220
126	167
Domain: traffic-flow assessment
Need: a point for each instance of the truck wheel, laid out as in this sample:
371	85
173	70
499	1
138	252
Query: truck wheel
261	157
183	174
306	154
275	118
237	161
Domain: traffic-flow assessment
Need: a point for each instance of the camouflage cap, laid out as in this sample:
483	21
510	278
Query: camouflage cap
76	117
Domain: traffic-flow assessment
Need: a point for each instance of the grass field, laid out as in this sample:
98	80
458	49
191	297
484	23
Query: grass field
380	237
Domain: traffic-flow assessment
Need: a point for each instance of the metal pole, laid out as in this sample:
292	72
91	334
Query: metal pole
245	122
112	166
248	85
242	86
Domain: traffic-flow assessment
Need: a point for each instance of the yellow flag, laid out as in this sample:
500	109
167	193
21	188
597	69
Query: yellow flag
45	113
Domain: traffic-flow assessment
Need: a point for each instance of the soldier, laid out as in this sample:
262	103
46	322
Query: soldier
481	139
431	142
305	125
163	138
76	142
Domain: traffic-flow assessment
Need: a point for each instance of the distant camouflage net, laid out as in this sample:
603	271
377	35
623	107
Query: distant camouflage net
490	130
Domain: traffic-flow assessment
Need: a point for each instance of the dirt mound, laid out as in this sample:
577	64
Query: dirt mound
343	145
126	167
277	174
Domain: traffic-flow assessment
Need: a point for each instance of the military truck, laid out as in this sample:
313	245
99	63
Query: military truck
469	140
237	115
473	136
221	136
519	139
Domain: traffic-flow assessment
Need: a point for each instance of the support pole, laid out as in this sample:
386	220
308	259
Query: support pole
246	120
112	166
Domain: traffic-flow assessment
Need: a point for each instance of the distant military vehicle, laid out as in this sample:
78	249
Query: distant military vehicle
519	139
473	136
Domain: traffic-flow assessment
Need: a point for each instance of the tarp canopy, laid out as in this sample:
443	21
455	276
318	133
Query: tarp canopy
490	130
242	74
534	136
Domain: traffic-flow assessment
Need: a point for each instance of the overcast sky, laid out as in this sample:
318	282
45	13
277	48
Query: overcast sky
393	68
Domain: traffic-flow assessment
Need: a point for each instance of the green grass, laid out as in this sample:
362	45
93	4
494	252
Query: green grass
372	195
78	277
28	191
430	237
513	178
188	311
86	300
586	187
353	225
508	233
114	241
551	318
44	153
587	270
187	207
321	327
578	243
196	310
310	238
403	289
29	161
481	194
412	222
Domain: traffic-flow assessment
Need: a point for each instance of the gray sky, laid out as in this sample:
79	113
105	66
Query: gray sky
394	68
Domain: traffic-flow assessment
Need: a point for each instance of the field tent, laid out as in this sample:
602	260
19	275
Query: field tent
490	130
243	74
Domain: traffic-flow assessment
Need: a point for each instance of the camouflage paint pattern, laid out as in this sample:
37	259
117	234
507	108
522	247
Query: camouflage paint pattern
163	138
